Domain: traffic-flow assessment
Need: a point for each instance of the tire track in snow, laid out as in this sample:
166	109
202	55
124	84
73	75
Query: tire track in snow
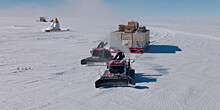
4	104
31	94
65	100
208	102
197	35
160	34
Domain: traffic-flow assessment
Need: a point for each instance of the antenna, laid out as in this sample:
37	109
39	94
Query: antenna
129	62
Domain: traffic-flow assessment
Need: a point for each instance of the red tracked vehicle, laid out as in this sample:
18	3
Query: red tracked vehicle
119	73
100	56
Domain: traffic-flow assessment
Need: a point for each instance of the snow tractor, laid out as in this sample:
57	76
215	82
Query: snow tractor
100	56
119	73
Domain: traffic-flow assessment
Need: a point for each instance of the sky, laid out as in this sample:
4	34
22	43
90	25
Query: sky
171	7
185	8
5	4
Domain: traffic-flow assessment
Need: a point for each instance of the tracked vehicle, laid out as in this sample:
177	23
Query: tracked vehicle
100	56
119	73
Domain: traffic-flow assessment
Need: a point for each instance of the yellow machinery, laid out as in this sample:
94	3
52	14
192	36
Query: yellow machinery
132	26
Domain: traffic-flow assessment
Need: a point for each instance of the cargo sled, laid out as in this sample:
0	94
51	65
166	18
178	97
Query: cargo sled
133	36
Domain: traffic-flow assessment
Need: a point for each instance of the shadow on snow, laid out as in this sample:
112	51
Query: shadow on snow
142	78
161	49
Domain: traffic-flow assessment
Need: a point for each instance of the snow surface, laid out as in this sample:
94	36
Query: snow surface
179	70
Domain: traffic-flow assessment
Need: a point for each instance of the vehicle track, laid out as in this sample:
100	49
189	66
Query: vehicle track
160	34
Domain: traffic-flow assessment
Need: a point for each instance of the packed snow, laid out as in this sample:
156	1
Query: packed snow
40	71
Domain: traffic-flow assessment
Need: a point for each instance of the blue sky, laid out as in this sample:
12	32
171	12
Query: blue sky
170	7
4	4
204	8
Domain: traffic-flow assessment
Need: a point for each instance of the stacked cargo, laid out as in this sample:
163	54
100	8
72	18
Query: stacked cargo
41	19
134	37
121	28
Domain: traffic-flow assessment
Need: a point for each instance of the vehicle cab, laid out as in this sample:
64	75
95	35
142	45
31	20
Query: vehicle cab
97	52
117	67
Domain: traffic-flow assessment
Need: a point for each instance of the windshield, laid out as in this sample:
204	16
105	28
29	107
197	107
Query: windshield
117	69
130	22
97	53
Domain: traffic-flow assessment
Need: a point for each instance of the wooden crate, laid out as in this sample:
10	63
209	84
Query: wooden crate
134	40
